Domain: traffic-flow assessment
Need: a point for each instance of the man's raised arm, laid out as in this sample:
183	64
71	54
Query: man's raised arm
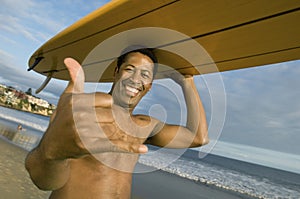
195	133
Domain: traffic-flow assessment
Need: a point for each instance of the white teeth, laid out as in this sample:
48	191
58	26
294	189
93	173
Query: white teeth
133	90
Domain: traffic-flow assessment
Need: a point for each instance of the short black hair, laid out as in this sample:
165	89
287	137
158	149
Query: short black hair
140	49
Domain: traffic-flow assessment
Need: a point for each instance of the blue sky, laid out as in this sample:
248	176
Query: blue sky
263	109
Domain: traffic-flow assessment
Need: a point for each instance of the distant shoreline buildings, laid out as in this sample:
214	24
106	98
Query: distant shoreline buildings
24	101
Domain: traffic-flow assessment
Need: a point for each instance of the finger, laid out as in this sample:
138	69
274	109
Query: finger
103	100
128	143
76	84
104	145
135	148
121	146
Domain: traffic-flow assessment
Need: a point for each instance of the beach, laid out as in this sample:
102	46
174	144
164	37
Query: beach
188	177
14	179
163	185
15	182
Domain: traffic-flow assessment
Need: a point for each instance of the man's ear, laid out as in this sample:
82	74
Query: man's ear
116	71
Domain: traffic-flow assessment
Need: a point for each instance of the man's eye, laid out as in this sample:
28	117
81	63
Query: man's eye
146	76
128	69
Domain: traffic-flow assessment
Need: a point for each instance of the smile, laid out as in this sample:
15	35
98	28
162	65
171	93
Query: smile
132	91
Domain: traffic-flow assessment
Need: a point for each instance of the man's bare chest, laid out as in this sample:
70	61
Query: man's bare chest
119	123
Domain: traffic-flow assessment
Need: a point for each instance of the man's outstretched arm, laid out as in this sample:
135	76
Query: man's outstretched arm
49	163
195	133
49	170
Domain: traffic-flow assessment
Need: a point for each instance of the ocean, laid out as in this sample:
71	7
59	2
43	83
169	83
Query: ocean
212	170
230	174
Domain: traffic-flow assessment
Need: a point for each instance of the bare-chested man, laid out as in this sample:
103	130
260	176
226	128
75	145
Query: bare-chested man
75	159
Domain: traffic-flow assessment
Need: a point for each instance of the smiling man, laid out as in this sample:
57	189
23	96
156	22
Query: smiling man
93	140
134	79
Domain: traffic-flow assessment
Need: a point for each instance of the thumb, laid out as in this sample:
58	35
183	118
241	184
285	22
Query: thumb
76	84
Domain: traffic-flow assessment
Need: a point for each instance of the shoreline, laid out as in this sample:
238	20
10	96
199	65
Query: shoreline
161	184
19	138
16	183
168	183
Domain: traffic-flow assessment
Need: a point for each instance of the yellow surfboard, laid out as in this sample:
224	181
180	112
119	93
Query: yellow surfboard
232	34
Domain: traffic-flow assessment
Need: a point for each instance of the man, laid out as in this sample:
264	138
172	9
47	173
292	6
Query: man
78	159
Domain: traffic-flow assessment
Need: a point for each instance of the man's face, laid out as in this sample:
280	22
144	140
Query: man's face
133	80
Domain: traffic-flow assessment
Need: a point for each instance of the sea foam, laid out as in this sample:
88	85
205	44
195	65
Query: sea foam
216	175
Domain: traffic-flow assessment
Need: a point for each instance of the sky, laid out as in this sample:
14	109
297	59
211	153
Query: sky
262	103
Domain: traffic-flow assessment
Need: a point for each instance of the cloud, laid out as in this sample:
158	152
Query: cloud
23	80
261	156
263	107
5	56
39	20
13	19
24	27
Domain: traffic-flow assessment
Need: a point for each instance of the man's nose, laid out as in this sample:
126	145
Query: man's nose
136	77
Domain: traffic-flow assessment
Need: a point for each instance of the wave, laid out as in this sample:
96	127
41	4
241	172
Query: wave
30	124
215	175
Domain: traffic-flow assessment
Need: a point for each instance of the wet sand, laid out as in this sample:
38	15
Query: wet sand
14	179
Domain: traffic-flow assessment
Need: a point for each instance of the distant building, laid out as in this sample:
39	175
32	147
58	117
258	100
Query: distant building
13	98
